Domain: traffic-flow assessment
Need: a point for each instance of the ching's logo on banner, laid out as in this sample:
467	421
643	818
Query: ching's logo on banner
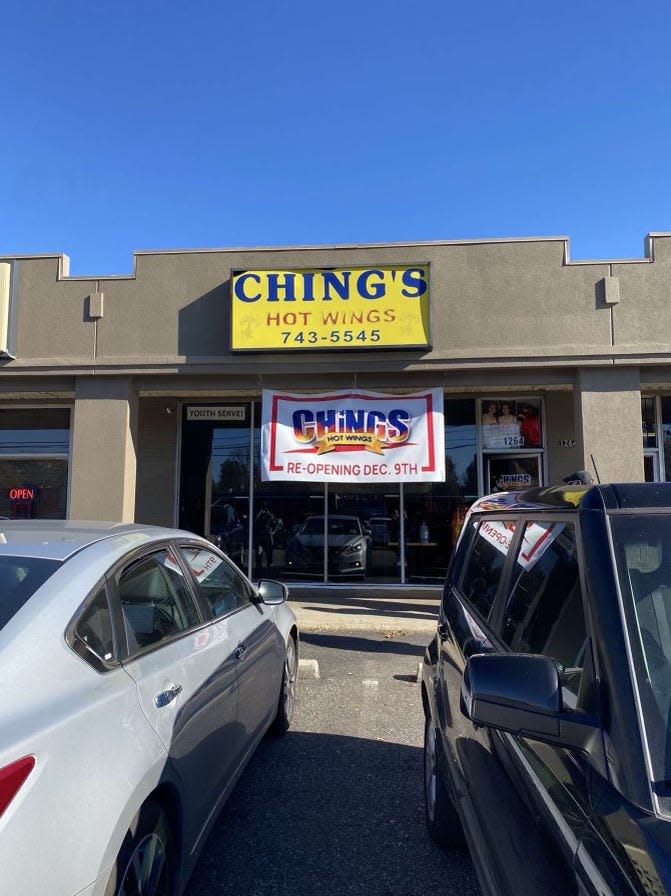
353	437
342	430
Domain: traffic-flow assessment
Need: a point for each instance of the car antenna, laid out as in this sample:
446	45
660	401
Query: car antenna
598	480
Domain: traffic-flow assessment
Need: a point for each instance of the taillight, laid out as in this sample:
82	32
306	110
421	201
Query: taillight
12	777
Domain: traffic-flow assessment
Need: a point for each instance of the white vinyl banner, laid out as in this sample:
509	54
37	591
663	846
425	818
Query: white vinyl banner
353	436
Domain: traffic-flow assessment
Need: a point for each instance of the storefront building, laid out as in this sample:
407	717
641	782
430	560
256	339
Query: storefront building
141	397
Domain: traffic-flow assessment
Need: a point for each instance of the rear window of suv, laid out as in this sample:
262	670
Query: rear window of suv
20	577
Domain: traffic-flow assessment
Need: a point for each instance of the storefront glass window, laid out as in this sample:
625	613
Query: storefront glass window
461	468
363	532
310	532
363	540
648	422
508	424
649	471
280	546
34	488
666	435
34	450
434	512
505	474
34	431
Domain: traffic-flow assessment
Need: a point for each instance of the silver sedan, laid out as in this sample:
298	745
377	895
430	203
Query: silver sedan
139	671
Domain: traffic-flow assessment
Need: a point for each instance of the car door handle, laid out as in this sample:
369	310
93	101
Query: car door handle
240	651
167	696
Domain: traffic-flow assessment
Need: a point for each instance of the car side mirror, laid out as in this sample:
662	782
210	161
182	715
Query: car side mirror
521	694
272	592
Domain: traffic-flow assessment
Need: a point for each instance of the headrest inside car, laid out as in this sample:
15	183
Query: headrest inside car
644	556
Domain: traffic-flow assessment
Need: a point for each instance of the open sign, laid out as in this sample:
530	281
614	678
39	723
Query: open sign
24	494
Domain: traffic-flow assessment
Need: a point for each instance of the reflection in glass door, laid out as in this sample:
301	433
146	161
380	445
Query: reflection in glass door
364	532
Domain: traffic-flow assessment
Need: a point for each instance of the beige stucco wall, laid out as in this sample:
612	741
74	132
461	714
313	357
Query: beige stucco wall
608	423
563	457
156	461
50	315
103	465
501	302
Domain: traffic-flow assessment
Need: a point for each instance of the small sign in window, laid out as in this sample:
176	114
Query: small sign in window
24	494
210	413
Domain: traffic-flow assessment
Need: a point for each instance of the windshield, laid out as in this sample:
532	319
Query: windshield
643	555
20	577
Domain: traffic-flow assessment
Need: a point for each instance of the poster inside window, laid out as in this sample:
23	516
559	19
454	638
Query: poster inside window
507	423
508	474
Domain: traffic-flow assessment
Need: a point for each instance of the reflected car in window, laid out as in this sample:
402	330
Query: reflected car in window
140	670
380	528
347	545
547	693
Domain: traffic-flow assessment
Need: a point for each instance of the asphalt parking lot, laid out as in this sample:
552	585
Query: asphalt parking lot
336	804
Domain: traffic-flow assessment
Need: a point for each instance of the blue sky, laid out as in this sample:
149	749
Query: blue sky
150	125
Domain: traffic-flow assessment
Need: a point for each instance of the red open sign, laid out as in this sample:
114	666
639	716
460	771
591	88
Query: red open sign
25	493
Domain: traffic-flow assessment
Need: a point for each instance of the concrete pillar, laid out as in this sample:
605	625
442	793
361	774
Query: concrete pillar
608	423
158	429
102	477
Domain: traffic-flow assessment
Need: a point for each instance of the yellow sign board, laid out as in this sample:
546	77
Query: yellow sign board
331	308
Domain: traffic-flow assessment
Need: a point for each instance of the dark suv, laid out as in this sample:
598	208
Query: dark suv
547	693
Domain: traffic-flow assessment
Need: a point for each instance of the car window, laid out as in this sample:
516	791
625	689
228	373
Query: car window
544	610
220	583
156	601
93	632
642	546
484	566
20	577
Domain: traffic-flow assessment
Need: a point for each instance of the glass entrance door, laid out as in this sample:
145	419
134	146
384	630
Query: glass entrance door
214	481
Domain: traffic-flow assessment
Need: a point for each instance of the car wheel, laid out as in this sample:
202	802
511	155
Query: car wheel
146	861
442	818
285	708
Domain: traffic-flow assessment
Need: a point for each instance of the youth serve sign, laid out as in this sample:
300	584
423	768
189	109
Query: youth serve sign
353	436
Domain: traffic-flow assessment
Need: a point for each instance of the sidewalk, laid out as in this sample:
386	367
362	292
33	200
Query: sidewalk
346	608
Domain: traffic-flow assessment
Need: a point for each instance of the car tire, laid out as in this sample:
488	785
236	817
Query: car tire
285	706
147	861
442	819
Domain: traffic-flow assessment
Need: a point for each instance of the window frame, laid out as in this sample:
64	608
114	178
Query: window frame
477	520
585	697
206	609
99	664
126	651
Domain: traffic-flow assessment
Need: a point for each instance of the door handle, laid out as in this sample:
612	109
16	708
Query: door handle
240	651
164	697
